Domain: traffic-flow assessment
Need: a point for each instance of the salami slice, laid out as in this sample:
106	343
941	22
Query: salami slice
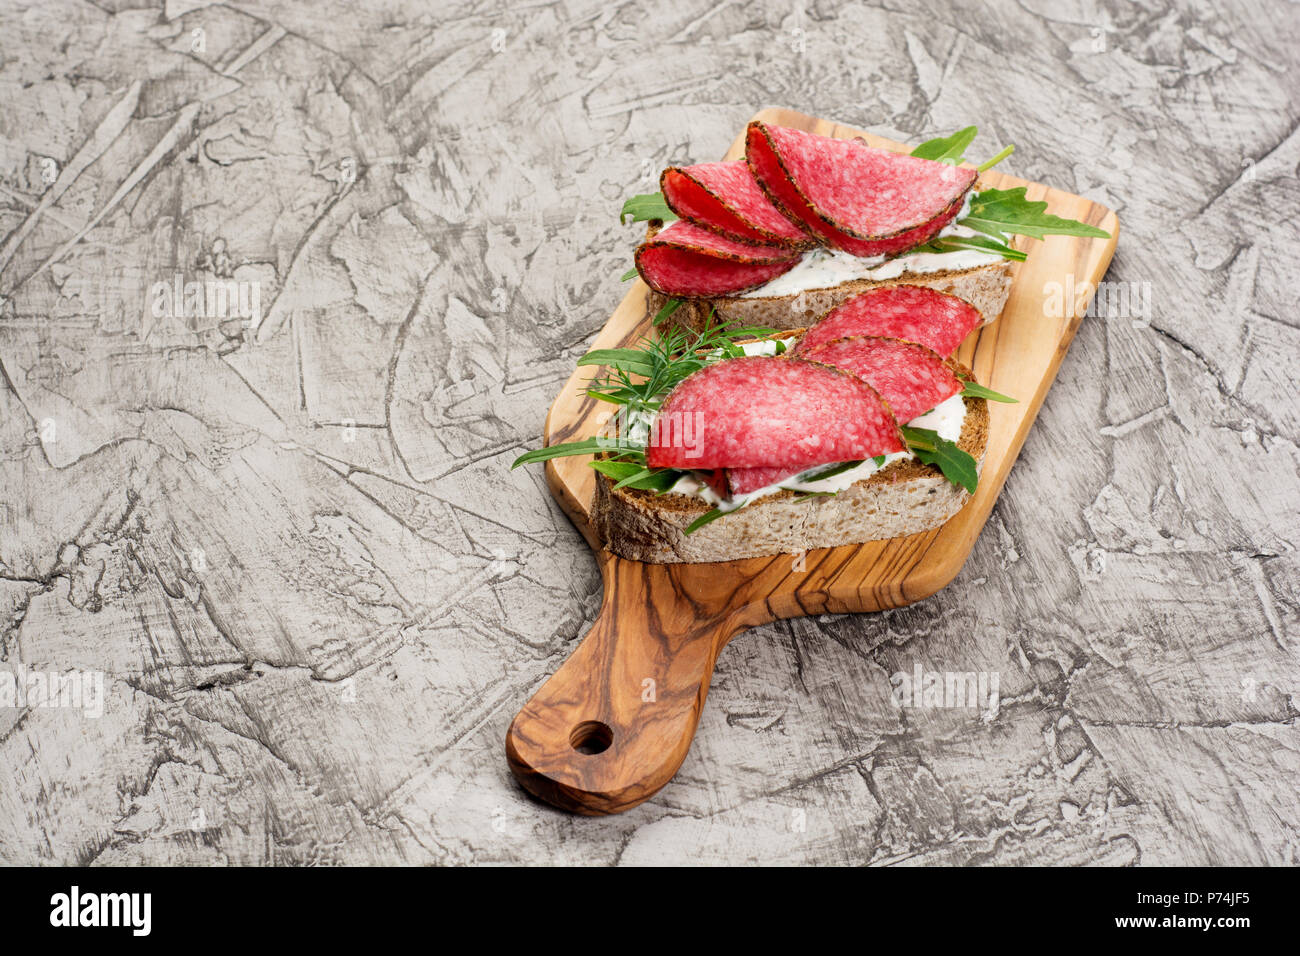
770	412
716	479
911	378
742	481
683	274
915	313
688	236
724	198
866	201
685	260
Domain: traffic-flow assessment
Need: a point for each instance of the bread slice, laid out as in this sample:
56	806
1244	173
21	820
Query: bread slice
984	287
905	497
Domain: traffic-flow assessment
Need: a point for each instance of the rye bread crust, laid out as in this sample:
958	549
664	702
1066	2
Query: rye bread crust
984	287
905	497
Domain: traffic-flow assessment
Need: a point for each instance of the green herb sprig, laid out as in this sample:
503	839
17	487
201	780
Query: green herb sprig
956	464
973	389
948	149
713	514
999	212
979	243
952	149
996	213
645	207
638	379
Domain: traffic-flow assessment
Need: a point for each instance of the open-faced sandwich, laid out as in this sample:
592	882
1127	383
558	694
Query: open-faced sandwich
739	442
804	222
800	392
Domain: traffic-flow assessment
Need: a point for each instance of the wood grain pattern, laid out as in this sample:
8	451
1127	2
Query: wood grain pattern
667	624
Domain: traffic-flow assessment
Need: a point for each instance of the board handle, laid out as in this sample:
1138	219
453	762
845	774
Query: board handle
614	723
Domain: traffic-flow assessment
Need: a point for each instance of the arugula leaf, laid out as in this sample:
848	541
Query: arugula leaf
651	479
752	332
990	163
669	307
645	207
952	149
713	514
998	211
612	397
831	472
947	149
630	360
630	274
976	390
616	469
957	465
588	446
941	244
629	474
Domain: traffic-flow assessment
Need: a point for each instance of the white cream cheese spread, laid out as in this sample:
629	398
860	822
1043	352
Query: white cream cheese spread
946	418
825	268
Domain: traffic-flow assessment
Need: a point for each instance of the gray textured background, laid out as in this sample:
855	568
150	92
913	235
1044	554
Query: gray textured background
318	594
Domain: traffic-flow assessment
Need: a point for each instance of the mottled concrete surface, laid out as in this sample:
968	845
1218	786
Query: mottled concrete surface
315	591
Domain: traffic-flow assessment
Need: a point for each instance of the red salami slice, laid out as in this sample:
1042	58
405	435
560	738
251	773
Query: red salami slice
911	378
915	313
742	481
770	412
724	198
683	274
866	201
685	260
688	236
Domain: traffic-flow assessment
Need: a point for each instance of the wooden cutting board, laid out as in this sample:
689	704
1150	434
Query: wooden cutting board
612	725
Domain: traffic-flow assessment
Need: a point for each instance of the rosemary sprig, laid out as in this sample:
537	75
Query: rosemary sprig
638	379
